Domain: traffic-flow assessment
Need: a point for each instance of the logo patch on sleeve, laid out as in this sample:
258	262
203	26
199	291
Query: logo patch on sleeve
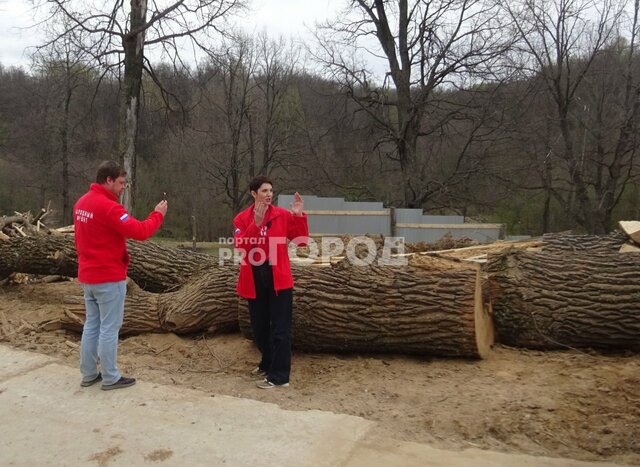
236	232
124	217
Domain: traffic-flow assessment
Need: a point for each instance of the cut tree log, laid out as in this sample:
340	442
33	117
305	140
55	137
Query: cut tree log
630	247
153	267
563	243
207	303
562	300
632	229
432	306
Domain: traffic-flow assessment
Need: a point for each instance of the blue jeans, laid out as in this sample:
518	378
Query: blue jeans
104	313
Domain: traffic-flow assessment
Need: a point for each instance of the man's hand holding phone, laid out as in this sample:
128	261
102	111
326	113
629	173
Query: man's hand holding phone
162	206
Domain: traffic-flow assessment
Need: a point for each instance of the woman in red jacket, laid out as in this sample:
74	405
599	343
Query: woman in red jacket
261	234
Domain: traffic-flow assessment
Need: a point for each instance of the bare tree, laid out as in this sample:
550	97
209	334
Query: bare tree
229	158
67	68
428	47
276	64
120	35
255	113
560	41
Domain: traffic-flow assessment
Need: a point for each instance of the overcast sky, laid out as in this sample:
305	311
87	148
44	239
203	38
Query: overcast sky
278	17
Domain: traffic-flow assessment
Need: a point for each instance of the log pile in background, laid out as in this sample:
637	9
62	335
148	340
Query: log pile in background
154	267
24	224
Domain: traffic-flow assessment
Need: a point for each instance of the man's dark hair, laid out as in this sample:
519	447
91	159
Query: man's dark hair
257	182
109	169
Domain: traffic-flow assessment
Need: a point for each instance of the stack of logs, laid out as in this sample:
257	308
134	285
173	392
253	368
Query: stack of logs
564	291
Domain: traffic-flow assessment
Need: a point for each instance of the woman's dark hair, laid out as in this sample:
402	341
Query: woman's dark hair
257	182
109	169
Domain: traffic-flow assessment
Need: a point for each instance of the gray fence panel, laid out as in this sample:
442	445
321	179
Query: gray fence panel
360	225
415	216
335	216
363	206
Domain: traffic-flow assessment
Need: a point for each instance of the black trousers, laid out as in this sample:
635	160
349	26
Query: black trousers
271	316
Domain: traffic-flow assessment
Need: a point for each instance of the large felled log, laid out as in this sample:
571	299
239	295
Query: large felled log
432	306
141	315
574	243
153	267
207	303
558	300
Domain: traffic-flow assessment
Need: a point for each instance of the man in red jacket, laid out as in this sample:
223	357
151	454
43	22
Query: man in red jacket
261	234
102	226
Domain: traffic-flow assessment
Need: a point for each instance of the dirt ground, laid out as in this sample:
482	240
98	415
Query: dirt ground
581	405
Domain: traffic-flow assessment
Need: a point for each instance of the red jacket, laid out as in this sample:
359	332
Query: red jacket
278	226
101	228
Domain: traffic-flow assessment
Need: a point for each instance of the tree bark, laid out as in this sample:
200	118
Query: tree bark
562	300
133	45
153	267
64	149
207	303
563	243
432	306
429	308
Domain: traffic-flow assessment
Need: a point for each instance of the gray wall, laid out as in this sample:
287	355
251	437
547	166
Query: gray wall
347	217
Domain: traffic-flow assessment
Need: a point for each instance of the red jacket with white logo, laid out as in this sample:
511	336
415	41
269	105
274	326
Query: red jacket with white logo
102	226
278	226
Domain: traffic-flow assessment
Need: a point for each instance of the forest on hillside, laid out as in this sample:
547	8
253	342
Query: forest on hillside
519	112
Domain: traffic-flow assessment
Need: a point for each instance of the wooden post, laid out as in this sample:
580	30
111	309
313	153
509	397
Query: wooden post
392	221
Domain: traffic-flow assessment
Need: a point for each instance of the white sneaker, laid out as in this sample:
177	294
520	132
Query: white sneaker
269	385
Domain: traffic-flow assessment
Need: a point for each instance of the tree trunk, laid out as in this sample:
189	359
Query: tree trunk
207	303
561	300
153	267
64	153
133	45
432	306
563	243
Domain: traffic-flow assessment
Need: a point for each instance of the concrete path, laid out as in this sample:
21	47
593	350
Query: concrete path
46	418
